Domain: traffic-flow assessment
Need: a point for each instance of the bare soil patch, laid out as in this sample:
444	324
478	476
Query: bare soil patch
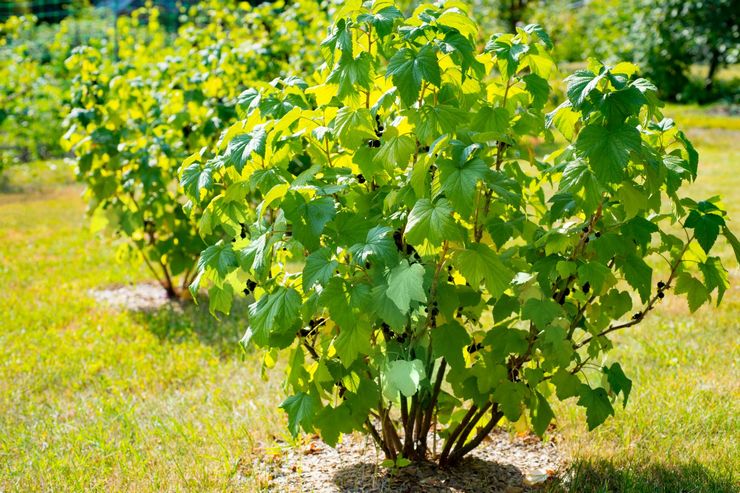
144	297
503	463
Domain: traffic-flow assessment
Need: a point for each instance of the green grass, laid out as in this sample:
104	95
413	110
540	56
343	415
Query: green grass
95	398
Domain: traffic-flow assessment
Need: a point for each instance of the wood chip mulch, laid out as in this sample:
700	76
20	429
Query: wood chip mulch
144	297
503	463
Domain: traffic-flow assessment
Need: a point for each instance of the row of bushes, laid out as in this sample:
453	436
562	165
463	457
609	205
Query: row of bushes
666	39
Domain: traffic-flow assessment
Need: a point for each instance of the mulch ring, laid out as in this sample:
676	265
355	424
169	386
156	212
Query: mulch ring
145	297
503	463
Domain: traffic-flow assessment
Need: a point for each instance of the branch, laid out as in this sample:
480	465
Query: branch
640	316
460	442
496	416
376	437
456	432
427	422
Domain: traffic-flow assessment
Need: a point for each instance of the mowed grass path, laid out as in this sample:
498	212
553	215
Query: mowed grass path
94	398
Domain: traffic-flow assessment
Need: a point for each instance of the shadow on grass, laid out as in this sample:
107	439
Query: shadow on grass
186	321
471	475
605	476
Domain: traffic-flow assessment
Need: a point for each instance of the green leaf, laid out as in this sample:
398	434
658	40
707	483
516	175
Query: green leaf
608	149
308	218
431	222
479	263
490	120
691	153
541	312
256	255
507	55
538	88
540	32
504	341
696	293
219	257
541	414
578	176
301	409
196	178
706	228
432	121
715	276
580	84
319	268
403	376
599	276
274	312
638	274
449	341
382	20
350	74
509	396
616	303
733	241
332	422
564	118
336	297
340	37
386	309
395	150
618	105
406	284
456	19
409	68
633	199
566	384
618	381
353	341
352	126
378	245
220	298
596	402
241	147
459	181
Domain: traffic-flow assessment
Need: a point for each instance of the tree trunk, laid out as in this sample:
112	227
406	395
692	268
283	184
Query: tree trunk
713	66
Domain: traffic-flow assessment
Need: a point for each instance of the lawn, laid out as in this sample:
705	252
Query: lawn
96	398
